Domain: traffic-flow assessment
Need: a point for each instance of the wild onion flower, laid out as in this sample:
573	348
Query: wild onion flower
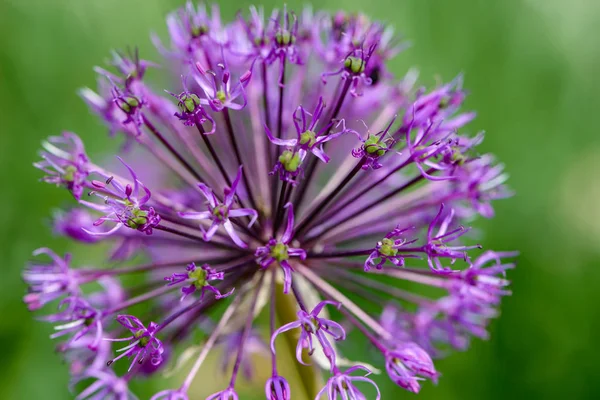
294	176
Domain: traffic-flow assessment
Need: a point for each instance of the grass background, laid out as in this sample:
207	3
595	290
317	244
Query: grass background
532	68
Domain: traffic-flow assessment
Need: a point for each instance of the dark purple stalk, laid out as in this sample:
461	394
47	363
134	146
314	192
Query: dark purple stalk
178	314
272	317
298	297
198	238
369	206
188	224
321	206
238	156
366	190
267	113
213	154
339	254
342	276
155	266
231	268
280	203
246	332
280	110
172	150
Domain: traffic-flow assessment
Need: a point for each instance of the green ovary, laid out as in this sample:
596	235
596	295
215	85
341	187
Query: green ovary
144	340
308	137
220	212
198	277
280	252
138	218
387	248
189	103
373	146
354	64
290	161
69	174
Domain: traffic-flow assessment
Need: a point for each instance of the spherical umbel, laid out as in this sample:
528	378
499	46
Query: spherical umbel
284	173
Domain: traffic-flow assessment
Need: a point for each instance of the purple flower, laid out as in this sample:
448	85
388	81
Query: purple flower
78	224
191	29
191	111
387	250
353	69
283	36
170	395
131	67
437	247
122	96
277	388
227	394
65	162
107	385
71	223
374	147
438	153
355	156
220	213
465	311
483	182
82	358
313	327
438	105
77	318
307	140
104	107
219	91
257	35
279	250
143	342
124	205
481	282
148	369
199	279
49	281
341	385
131	106
406	363
394	319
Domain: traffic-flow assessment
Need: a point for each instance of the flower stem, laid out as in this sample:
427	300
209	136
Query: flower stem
368	207
172	149
302	226
238	155
213	153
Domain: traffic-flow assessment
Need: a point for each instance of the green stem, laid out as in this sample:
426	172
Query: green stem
285	308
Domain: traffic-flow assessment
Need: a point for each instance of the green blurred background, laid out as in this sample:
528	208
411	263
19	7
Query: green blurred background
532	68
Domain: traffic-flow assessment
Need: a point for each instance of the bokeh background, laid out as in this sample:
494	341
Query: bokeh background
532	67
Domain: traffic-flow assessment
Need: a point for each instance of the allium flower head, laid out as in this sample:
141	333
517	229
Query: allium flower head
287	169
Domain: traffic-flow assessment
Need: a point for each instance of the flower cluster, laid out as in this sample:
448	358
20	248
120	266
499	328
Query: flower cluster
292	166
